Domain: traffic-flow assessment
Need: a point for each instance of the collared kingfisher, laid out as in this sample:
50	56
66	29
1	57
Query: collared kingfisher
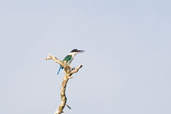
70	57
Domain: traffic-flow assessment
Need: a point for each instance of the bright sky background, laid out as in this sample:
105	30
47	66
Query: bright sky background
126	66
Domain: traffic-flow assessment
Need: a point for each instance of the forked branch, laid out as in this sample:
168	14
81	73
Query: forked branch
68	72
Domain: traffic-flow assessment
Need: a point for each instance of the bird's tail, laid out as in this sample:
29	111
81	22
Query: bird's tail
60	67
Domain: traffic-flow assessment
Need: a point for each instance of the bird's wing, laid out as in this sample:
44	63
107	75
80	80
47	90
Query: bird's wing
67	58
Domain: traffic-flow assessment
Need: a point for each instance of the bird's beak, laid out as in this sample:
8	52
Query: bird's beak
80	51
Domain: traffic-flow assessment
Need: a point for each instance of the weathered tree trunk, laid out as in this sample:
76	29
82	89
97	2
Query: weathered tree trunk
68	72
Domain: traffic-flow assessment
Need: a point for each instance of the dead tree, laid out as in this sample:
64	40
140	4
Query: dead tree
68	75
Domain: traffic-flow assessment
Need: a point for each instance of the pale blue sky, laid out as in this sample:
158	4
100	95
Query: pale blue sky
126	66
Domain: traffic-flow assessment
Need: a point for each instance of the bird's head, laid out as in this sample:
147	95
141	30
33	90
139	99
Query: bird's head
76	51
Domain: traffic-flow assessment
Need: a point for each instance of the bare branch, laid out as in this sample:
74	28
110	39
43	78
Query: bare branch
75	70
63	95
68	72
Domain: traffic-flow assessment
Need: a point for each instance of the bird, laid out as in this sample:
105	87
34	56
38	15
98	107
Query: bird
68	59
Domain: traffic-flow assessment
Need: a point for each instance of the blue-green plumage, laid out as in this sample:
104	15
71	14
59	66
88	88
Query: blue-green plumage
60	67
69	58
